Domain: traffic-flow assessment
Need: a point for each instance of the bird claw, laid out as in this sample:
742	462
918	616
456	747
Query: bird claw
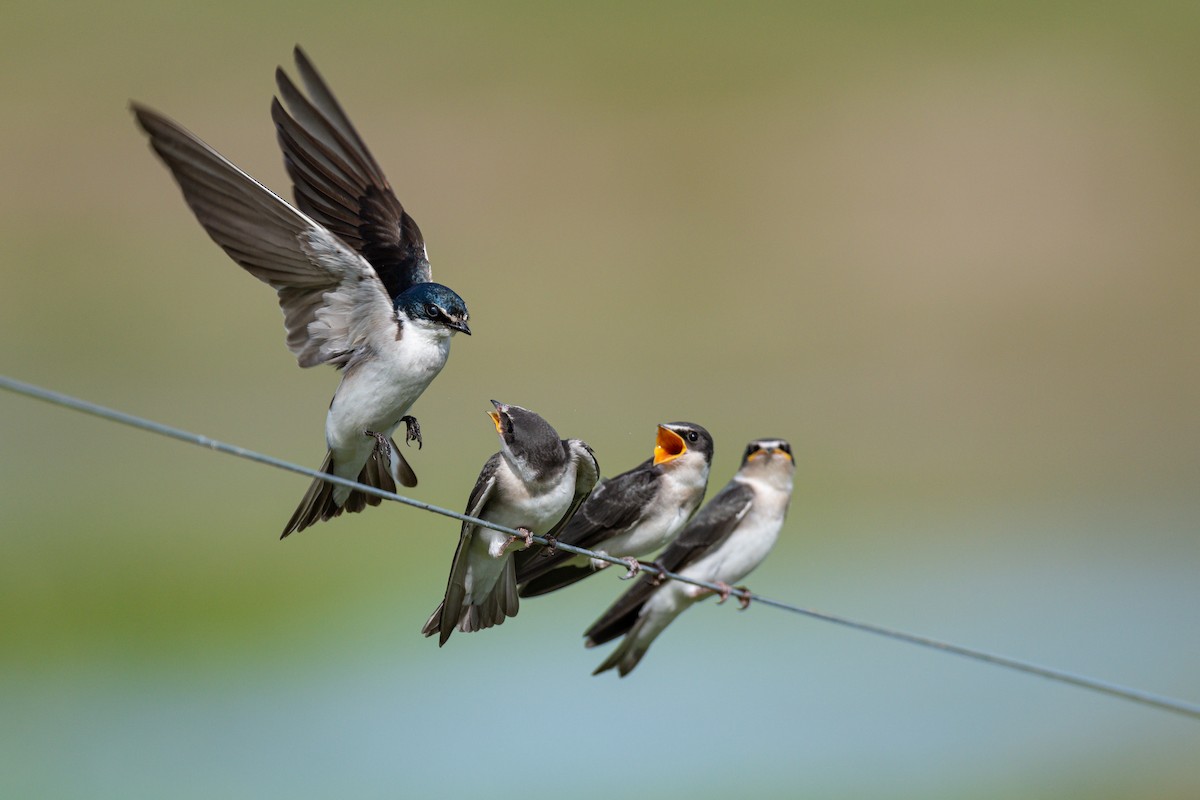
526	534
726	590
382	445
551	546
635	567
412	431
660	577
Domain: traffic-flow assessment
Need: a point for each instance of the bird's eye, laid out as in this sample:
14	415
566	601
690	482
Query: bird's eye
693	436
750	450
787	448
431	311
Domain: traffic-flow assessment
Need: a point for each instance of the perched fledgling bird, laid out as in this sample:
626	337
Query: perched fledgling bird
534	484
351	271
630	515
730	536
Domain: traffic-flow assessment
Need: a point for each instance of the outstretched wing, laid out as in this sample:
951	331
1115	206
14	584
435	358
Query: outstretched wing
334	306
707	531
338	183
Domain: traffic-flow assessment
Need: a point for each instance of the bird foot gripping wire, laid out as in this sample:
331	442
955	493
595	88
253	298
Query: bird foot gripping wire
551	546
726	590
635	567
412	430
661	576
723	589
526	534
1130	694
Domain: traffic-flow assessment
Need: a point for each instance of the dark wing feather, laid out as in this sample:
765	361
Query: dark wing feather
555	579
587	472
616	505
706	532
446	617
339	184
709	529
481	492
333	304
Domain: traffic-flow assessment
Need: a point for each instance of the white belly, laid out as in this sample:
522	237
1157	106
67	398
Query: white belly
744	550
375	394
652	534
518	509
537	510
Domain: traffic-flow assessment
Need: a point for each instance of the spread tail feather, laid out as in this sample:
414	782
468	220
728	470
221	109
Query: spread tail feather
629	652
434	623
500	603
642	629
320	503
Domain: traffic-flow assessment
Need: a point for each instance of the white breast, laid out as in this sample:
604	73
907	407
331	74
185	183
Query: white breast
750	542
376	393
518	505
513	505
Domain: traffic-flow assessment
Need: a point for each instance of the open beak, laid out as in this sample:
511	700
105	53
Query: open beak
668	446
496	418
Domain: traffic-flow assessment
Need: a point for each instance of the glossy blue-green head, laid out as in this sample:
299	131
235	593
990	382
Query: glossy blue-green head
433	304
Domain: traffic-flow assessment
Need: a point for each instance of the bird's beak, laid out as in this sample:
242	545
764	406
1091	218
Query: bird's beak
774	451
668	446
459	325
495	415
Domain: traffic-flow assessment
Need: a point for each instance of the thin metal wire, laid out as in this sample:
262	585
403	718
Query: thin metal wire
1104	687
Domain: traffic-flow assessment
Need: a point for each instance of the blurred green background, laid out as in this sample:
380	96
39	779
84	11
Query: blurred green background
949	250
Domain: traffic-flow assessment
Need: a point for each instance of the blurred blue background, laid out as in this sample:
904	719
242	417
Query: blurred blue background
950	252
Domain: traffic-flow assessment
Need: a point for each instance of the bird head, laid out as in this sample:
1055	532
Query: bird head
434	305
529	443
771	459
682	440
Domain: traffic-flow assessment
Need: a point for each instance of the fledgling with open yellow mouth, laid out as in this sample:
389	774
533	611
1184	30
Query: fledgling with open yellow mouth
669	445
631	515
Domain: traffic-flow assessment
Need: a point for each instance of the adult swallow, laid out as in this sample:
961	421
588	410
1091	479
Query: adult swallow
730	536
534	484
630	515
351	271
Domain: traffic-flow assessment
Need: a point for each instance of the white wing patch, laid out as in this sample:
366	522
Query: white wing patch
354	317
